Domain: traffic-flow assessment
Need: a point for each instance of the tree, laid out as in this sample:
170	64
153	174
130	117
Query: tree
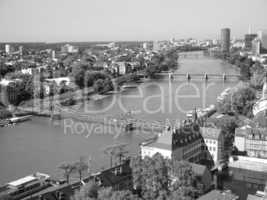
105	193
99	85
150	176
68	170
239	101
116	151
87	192
185	180
258	75
81	166
243	100
92	192
109	194
22	87
227	124
5	114
244	72
159	178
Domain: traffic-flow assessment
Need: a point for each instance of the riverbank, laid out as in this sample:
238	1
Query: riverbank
42	107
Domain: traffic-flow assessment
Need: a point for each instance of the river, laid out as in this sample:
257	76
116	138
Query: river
41	145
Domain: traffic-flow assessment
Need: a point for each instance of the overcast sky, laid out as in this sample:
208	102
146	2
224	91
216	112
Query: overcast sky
90	20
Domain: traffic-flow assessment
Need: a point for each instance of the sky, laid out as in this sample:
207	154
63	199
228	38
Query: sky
114	20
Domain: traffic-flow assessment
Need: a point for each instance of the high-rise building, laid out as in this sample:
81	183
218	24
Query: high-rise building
53	54
263	37
225	40
156	46
256	46
20	50
7	48
145	46
248	41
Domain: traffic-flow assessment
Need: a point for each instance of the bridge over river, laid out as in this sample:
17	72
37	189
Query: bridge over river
197	76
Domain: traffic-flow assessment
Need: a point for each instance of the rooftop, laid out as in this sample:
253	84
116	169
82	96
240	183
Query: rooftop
185	135
160	145
165	137
199	170
22	181
254	197
218	195
28	179
248	130
249	163
211	133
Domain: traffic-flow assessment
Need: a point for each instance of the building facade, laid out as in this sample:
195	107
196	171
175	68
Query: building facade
248	41
183	143
262	34
252	140
247	175
7	49
260	108
256	46
214	141
225	40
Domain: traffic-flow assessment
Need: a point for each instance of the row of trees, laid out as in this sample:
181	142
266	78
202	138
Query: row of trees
154	178
162	61
21	89
4	114
84	77
92	192
250	71
117	154
159	178
78	167
239	101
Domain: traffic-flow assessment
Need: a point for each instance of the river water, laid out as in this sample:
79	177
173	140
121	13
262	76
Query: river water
41	145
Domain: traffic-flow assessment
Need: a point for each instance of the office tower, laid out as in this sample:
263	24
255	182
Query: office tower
156	46
263	38
53	54
256	46
248	40
20	50
7	48
145	45
225	40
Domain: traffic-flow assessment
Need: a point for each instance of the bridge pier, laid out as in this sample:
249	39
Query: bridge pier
206	76
188	77
171	75
224	77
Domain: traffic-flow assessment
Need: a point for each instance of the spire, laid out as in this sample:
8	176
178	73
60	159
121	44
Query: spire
194	116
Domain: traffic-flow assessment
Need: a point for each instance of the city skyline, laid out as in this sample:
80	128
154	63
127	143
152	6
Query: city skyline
58	21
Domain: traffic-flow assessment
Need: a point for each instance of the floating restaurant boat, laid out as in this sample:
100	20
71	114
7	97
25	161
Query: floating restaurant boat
20	119
206	112
25	186
127	86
